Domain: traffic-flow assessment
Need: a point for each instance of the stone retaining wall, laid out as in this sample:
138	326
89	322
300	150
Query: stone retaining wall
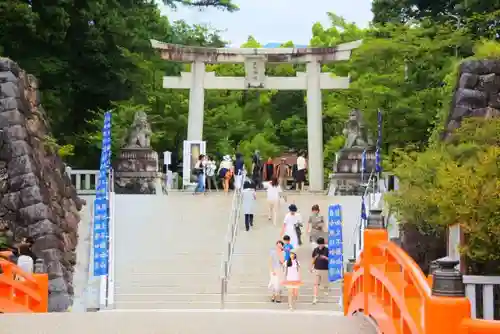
37	198
477	93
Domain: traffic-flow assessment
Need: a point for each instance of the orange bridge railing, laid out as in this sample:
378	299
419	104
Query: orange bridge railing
387	286
21	292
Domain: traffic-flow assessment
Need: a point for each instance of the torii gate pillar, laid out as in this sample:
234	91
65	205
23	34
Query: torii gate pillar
313	81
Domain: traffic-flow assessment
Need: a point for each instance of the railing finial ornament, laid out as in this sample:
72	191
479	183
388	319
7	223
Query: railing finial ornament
447	281
375	219
350	265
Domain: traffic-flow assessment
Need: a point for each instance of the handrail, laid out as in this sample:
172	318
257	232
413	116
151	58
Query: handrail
26	295
387	286
231	234
358	229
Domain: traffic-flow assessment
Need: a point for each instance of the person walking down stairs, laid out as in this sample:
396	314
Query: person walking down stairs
249	197
293	279
320	268
276	261
290	224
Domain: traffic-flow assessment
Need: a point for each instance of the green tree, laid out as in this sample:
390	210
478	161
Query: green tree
456	182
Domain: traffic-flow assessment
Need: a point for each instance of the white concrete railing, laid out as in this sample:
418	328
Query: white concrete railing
486	284
84	180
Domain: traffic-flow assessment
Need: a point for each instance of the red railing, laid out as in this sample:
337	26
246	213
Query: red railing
387	286
21	292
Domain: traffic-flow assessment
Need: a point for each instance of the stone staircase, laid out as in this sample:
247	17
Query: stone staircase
168	255
168	251
247	286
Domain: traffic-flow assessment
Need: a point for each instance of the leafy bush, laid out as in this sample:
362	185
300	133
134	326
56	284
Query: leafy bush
455	182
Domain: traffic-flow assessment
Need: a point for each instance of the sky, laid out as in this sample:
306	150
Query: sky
274	20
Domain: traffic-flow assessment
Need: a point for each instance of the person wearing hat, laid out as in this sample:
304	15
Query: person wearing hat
226	172
291	224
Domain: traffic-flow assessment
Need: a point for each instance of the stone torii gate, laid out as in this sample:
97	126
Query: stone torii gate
313	81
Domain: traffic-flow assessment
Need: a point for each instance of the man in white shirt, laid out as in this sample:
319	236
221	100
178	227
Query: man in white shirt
300	177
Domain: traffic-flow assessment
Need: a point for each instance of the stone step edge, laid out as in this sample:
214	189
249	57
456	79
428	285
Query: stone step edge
264	310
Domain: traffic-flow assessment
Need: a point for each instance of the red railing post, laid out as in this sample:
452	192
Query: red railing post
448	300
374	235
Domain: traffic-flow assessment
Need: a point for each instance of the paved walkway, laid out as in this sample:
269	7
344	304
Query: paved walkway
184	322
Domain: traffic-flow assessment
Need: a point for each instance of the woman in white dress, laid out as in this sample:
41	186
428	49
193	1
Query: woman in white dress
292	219
273	198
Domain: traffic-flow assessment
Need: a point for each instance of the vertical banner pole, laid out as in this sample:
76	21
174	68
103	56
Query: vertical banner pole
111	275
101	229
335	247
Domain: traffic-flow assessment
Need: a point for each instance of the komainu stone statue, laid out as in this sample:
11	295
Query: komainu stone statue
140	131
355	132
136	166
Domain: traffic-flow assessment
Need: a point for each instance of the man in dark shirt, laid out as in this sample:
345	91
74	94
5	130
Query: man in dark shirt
320	268
239	165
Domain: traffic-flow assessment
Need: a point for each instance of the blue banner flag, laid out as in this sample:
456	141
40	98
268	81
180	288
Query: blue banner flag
363	161
378	160
363	209
335	249
101	204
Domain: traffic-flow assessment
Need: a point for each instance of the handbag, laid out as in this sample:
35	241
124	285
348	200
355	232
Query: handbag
273	281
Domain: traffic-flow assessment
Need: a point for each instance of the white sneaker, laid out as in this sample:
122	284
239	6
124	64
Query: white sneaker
315	301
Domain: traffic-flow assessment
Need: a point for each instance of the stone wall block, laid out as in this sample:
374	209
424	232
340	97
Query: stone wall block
31	195
71	240
71	222
471	98
58	284
468	80
10	103
459	112
19	182
15	132
15	149
20	165
50	248
7	64
43	228
59	302
11	117
9	89
489	83
480	67
8	76
36	212
12	201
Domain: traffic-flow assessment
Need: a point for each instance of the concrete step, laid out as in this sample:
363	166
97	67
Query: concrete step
163	297
231	305
262	297
334	291
166	289
158	278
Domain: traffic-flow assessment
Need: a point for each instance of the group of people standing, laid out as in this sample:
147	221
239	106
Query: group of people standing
209	176
285	268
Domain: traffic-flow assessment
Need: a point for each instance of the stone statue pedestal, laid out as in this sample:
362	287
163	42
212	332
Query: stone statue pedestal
136	170
347	176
